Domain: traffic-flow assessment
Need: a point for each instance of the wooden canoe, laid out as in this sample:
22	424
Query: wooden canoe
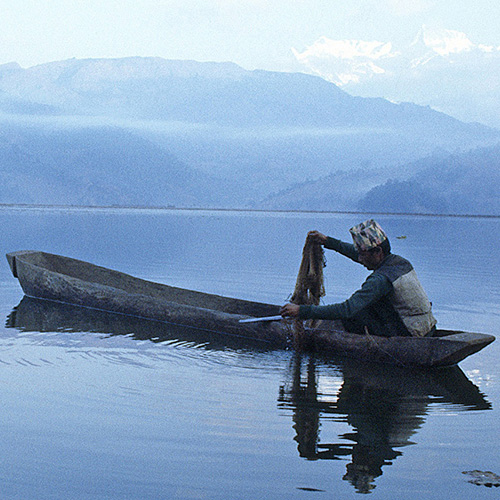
53	277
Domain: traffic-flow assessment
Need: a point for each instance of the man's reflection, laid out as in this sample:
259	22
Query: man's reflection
384	406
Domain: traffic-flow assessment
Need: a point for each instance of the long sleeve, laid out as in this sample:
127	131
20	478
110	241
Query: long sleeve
374	288
346	249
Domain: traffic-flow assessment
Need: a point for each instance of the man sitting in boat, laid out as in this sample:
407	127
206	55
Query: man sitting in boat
391	302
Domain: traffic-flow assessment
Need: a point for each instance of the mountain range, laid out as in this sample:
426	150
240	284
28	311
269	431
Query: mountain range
154	132
442	68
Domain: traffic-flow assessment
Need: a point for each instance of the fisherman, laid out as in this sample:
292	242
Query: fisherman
391	302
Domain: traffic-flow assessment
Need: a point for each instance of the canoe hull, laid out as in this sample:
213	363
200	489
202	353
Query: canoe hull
40	276
62	279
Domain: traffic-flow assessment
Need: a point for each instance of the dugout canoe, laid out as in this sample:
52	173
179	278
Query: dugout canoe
63	279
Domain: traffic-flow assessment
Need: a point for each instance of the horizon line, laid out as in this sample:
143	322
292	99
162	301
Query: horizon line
240	209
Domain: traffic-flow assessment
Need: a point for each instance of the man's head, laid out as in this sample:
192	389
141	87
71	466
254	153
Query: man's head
371	243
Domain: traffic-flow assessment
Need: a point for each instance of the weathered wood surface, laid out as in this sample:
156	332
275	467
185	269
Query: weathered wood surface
53	277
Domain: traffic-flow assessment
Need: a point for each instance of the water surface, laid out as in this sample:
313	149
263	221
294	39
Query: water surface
97	405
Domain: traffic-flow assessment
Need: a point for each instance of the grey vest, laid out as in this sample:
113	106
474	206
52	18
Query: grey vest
408	296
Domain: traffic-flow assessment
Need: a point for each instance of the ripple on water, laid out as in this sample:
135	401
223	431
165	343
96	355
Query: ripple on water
37	349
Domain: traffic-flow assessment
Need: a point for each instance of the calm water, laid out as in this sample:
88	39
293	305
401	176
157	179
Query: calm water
98	406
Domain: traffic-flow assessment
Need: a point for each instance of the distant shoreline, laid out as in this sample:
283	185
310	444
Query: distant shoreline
250	210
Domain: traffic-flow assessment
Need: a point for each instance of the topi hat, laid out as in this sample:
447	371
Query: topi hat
367	235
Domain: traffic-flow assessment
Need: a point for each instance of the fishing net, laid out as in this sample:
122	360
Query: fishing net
309	287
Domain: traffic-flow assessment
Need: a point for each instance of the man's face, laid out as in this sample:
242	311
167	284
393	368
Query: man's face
372	258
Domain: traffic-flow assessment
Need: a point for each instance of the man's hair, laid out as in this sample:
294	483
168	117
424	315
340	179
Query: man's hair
386	246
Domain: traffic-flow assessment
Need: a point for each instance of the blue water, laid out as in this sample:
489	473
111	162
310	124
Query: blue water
98	406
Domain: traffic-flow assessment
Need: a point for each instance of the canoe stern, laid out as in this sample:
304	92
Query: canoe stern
404	351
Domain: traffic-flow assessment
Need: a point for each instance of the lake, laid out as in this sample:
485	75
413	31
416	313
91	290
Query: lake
101	406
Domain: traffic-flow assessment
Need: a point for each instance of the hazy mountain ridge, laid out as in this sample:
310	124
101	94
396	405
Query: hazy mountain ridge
223	93
96	166
206	134
466	183
459	184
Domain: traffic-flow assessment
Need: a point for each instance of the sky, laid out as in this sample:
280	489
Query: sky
331	38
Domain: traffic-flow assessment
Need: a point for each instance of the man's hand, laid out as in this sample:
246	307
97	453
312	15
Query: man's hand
317	237
290	311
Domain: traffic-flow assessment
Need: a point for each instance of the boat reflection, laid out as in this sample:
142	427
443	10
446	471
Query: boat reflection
38	315
384	407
